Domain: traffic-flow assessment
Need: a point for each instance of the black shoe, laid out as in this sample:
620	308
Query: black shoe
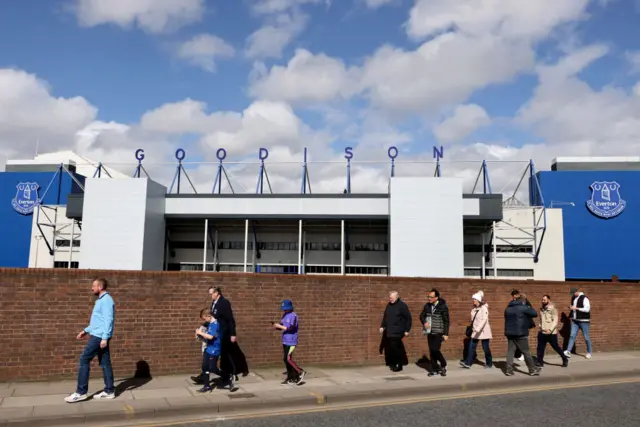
443	372
397	369
433	373
198	379
205	389
565	362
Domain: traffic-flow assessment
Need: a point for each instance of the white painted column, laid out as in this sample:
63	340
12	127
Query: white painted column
495	251
342	248
246	245
215	251
299	246
206	241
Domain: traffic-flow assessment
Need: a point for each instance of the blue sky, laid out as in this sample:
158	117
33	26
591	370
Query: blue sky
126	70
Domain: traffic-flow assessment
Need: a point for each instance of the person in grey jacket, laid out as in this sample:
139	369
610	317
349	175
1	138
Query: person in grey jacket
518	317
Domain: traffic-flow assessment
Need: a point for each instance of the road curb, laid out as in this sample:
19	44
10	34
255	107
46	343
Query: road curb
407	391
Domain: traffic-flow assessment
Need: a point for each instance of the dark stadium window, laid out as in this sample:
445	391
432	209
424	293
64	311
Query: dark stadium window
65	264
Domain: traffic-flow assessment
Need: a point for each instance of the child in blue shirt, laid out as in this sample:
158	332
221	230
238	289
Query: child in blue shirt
211	353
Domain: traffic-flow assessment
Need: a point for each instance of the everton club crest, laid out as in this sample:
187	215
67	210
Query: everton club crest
26	198
605	199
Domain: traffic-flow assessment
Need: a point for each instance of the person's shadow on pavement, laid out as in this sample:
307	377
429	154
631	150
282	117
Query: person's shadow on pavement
141	377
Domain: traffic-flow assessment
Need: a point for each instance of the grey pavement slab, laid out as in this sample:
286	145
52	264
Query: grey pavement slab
175	396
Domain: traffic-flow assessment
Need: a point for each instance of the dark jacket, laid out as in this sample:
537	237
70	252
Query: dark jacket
221	310
439	317
518	318
396	319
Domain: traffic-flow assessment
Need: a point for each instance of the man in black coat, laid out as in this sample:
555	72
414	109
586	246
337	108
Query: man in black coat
222	312
396	323
518	317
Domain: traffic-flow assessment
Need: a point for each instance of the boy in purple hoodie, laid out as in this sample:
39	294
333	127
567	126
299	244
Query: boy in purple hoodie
289	327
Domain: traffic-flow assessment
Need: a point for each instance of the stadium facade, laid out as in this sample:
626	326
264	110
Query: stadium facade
64	211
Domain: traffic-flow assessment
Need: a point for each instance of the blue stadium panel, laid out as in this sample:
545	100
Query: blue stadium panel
602	229
15	216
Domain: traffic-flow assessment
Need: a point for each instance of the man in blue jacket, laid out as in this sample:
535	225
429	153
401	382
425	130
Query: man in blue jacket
100	331
517	321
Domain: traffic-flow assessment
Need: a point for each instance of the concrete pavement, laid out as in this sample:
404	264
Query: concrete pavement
173	398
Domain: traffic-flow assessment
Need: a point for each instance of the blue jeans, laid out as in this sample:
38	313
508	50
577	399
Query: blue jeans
471	354
584	327
91	350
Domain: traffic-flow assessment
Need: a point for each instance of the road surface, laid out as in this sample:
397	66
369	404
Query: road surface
613	405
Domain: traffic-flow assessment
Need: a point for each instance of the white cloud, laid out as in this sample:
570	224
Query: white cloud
284	21
511	19
464	121
306	78
278	6
188	116
442	72
203	50
153	16
270	40
263	124
29	112
633	57
375	4
492	42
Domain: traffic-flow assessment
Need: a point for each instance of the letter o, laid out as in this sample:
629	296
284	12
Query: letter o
392	152
139	154
180	154
221	154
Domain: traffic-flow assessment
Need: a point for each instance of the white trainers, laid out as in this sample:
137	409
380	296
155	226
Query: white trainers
567	353
75	397
521	358
588	356
104	395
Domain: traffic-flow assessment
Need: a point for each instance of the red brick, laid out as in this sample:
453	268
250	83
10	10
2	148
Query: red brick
41	312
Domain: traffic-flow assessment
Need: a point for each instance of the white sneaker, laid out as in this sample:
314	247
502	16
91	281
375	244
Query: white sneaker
588	356
567	353
521	358
75	397
104	395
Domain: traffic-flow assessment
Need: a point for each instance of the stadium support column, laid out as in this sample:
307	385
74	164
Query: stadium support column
206	241
246	243
299	246
342	248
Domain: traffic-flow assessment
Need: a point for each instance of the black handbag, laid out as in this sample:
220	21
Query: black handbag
469	330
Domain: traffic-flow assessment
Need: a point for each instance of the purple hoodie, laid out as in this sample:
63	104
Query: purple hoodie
290	321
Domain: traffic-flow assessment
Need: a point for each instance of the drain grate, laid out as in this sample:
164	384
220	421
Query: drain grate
399	378
241	395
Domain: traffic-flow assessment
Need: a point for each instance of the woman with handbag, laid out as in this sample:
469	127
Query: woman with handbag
479	331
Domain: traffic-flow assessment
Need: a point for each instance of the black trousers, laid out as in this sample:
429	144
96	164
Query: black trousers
394	352
435	343
543	340
210	364
227	364
293	371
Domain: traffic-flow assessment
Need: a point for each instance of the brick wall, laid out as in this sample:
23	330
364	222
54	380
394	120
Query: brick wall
41	312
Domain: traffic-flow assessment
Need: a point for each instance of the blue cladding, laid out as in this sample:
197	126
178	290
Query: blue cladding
596	248
16	228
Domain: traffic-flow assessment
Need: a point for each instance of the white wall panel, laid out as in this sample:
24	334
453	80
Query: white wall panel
114	224
281	206
258	207
426	227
